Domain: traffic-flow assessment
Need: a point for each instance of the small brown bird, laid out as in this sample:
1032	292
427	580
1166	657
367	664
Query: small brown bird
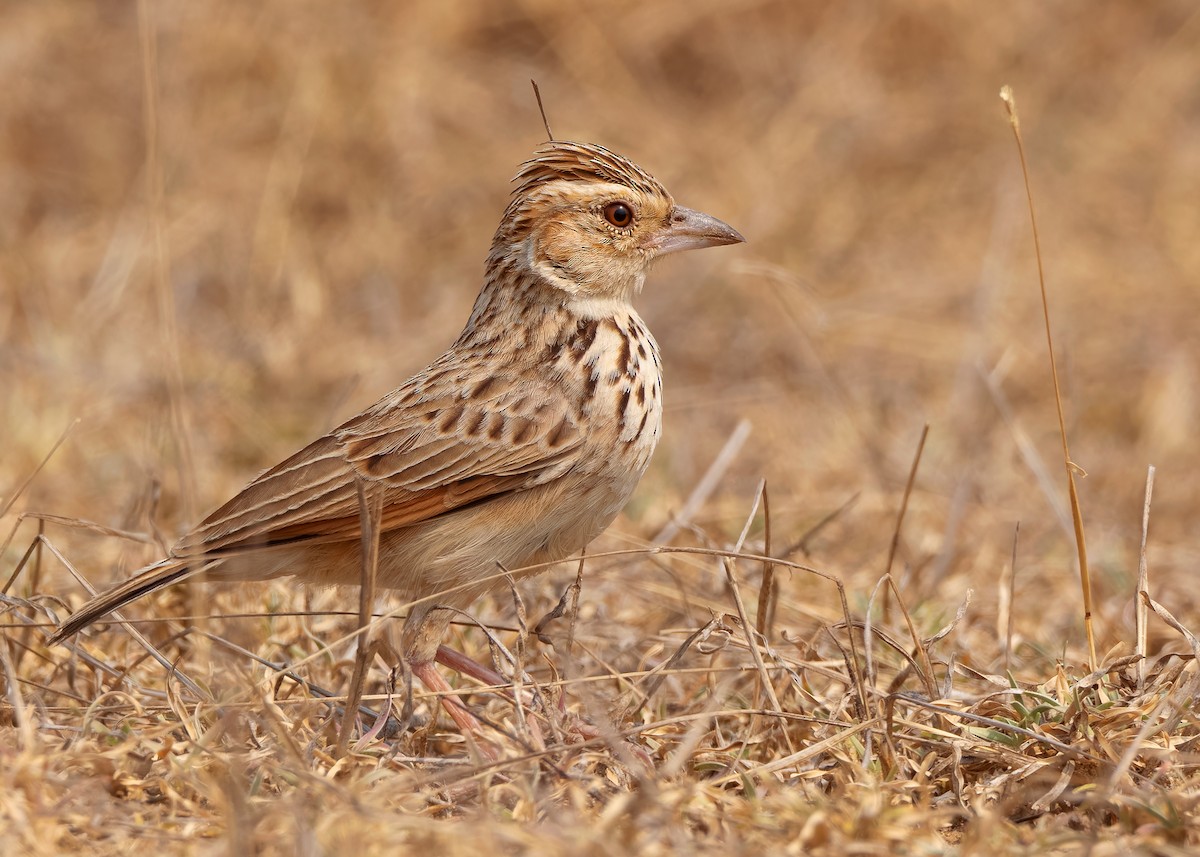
517	446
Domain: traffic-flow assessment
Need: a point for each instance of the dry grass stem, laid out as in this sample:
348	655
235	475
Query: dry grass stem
370	505
1142	596
1085	578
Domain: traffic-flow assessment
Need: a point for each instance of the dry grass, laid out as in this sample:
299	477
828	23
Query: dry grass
330	176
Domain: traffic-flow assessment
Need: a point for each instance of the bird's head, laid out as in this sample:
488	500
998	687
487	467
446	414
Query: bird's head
590	222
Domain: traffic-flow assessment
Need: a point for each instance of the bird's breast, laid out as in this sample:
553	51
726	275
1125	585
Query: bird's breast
610	370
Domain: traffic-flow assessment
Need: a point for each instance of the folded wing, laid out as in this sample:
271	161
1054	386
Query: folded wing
429	451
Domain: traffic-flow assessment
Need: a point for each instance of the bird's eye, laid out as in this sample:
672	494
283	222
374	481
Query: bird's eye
619	214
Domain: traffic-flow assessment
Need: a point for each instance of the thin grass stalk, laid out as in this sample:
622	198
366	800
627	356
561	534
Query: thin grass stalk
1141	598
1085	579
370	509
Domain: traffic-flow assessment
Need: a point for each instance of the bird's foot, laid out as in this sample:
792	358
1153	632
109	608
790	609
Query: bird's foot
467	722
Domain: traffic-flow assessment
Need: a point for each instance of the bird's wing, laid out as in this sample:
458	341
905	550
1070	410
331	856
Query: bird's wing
430	452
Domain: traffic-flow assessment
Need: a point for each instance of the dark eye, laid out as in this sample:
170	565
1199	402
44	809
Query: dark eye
619	214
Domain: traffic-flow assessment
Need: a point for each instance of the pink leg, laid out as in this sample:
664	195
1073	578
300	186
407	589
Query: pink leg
465	720
460	663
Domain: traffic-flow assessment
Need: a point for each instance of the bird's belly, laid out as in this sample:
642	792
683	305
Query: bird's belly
458	556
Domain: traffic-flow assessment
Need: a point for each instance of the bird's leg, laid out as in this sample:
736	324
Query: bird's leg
427	672
460	663
422	631
424	627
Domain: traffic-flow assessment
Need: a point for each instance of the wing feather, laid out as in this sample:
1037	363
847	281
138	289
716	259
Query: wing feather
431	452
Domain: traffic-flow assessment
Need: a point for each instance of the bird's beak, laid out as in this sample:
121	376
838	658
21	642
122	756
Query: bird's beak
691	230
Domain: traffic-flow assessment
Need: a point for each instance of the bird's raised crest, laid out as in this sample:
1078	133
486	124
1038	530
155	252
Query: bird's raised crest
587	162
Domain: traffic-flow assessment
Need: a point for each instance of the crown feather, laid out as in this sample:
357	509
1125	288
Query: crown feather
560	160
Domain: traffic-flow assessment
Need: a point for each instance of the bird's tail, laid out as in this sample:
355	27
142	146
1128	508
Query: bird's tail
148	580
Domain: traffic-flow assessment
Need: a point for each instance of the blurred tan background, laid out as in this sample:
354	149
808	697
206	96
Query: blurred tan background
332	174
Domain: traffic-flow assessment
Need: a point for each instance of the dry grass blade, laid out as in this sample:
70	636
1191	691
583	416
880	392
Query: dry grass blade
370	507
1006	612
1029	453
748	627
17	492
1085	579
12	686
708	483
152	650
991	723
869	632
90	526
1141	598
799	757
908	486
34	546
959	615
801	544
1156	719
768	594
1064	779
752	640
1166	615
654	679
20	489
920	646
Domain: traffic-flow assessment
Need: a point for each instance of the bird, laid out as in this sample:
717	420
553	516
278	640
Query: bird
516	447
